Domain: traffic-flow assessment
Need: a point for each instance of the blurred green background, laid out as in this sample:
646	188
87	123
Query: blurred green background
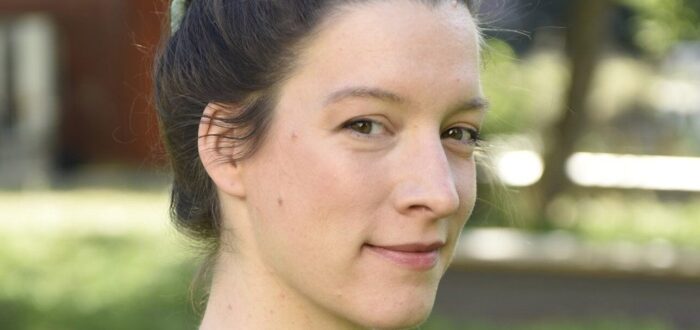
589	207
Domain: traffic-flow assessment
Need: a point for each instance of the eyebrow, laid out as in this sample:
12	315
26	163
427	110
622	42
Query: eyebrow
364	92
476	103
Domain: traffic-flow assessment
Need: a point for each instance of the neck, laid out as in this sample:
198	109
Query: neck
245	295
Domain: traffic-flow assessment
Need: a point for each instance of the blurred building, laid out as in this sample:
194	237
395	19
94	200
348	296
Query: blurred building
75	85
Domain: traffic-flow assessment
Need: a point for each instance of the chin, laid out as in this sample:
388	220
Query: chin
409	321
399	314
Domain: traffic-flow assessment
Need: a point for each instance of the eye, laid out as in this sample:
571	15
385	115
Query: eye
365	127
462	135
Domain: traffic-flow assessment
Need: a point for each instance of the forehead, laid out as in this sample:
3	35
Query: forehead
391	43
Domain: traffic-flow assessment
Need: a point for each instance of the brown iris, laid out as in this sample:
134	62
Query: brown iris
453	133
361	126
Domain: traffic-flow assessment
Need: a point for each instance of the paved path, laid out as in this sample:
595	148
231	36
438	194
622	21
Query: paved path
516	296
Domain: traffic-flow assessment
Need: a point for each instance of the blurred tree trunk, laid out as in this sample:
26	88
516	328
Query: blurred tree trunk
585	37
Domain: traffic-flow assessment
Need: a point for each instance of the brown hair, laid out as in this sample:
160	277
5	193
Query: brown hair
226	52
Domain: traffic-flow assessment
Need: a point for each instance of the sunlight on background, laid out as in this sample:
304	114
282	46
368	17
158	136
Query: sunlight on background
524	168
519	168
635	171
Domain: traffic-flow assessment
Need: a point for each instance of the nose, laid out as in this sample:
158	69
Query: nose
425	183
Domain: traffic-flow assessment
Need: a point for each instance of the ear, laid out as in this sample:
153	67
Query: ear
216	152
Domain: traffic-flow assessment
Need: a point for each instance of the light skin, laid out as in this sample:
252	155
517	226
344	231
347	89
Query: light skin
348	214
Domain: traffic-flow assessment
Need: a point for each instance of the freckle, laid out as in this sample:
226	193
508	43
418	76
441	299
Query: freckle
294	135
229	307
280	201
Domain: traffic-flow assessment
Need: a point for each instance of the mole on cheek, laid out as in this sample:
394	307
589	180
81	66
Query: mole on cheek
280	201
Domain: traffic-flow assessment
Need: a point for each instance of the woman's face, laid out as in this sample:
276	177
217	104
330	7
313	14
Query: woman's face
358	194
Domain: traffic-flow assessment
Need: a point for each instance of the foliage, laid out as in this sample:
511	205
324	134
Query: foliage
660	24
526	94
505	84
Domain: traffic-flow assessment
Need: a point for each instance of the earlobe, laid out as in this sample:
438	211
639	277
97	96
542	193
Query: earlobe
215	154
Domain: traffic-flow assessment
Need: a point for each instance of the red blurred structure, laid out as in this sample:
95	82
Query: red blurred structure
103	60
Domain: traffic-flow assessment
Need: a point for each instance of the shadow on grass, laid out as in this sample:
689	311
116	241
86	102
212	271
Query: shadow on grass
437	322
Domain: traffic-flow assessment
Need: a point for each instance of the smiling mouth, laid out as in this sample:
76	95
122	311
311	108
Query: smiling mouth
414	256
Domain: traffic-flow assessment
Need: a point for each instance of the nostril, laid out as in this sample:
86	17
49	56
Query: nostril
426	185
419	208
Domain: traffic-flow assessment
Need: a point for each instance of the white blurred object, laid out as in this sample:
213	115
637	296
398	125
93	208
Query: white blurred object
519	168
524	167
635	171
678	90
675	95
563	251
29	65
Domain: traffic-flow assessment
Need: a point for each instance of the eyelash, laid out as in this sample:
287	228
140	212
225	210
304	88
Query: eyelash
474	135
368	122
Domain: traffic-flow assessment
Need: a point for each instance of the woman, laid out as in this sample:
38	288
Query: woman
325	151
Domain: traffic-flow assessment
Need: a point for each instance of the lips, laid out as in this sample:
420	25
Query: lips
414	256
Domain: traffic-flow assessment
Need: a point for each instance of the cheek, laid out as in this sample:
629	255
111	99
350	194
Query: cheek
465	181
311	189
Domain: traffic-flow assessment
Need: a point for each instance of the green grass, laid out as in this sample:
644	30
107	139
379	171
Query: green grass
92	260
93	282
